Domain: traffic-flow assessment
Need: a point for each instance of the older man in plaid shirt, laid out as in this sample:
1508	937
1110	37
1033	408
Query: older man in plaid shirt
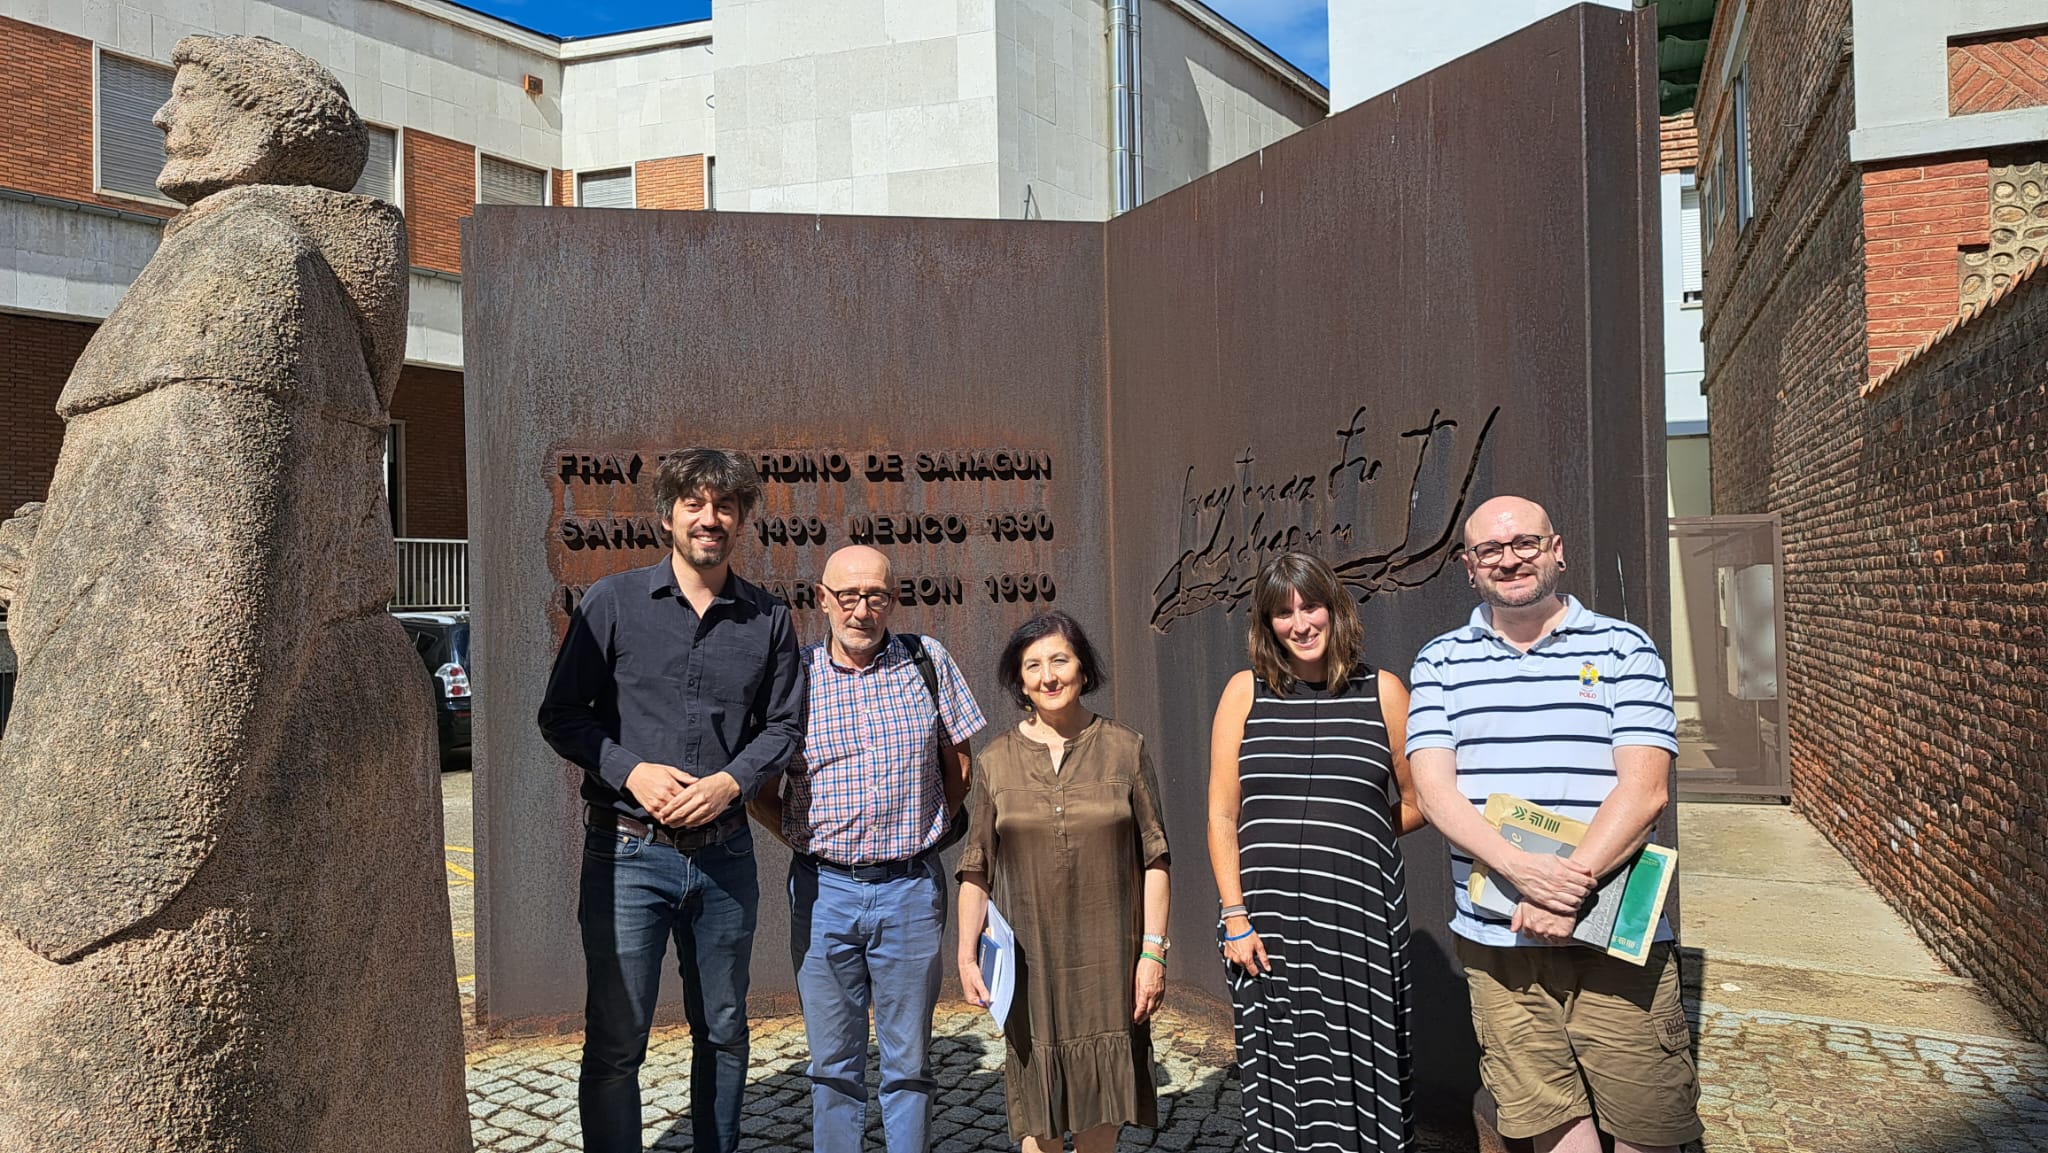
863	808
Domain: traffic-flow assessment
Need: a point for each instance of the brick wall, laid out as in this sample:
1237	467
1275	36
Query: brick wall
1678	142
1924	756
1916	579
1994	73
1783	309
669	182
46	119
36	356
1918	216
429	401
563	186
440	189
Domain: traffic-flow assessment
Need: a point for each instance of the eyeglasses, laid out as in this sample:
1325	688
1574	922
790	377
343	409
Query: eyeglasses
1528	546
850	599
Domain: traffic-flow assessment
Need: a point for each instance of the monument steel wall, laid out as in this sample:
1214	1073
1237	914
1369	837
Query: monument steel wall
931	387
1348	342
1341	343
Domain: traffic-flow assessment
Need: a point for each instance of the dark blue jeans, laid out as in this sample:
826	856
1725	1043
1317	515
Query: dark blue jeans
635	896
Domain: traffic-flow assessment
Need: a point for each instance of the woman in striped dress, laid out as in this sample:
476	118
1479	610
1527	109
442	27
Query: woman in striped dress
1308	791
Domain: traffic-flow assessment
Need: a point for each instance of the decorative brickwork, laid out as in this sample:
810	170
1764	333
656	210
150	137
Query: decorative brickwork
2019	231
1994	73
1915	522
46	120
36	356
440	189
670	182
1917	219
429	401
1678	142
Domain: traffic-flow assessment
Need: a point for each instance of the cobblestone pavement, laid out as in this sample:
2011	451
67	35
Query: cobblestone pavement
1772	1083
1777	1082
523	1093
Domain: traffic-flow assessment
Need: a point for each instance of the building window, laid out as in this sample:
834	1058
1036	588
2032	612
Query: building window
1689	238
380	168
131	147
1745	203
612	188
503	182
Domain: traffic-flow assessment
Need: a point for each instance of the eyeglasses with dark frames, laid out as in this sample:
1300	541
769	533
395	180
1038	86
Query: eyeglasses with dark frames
1528	546
850	599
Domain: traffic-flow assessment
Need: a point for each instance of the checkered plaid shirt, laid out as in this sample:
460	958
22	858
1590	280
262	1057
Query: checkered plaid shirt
866	785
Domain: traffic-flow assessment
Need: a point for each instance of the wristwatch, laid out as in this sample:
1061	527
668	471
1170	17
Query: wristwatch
1156	939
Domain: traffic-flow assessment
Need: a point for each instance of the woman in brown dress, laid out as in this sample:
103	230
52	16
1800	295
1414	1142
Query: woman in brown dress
1067	836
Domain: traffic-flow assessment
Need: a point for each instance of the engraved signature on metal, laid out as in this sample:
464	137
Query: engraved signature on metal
1230	530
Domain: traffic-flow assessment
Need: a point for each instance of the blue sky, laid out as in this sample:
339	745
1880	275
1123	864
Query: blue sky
1296	29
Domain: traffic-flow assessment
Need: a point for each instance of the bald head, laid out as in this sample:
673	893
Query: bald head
1506	517
857	560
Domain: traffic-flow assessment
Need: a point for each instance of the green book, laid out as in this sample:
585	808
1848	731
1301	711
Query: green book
1622	917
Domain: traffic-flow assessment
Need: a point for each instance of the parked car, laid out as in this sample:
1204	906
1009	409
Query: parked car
442	640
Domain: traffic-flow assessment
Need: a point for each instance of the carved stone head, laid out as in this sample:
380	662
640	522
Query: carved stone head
248	110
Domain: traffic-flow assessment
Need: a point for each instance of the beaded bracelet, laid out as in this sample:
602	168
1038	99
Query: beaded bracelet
1148	955
1240	936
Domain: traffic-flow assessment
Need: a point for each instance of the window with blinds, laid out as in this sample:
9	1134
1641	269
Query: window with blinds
380	170
1689	239
504	182
131	148
612	188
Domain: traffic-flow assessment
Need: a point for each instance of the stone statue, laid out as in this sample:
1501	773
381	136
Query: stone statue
223	913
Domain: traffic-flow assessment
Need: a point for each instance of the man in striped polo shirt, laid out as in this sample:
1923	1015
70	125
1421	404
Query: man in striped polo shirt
863	806
1542	698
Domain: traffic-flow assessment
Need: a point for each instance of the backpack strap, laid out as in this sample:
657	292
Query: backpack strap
923	661
956	825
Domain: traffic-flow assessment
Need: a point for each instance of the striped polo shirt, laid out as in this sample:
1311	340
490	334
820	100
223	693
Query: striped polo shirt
1541	725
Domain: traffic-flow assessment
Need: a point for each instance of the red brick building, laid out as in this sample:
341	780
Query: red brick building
77	164
1872	186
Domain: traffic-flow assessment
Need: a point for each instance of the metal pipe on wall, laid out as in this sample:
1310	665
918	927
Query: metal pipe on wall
1135	96
1120	63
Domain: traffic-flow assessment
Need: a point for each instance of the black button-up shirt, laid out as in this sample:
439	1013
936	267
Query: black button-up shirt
641	677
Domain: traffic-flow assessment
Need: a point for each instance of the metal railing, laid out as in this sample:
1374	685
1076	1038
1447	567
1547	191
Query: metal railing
432	574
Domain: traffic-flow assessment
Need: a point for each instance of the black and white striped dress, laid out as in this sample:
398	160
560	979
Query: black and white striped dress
1322	1041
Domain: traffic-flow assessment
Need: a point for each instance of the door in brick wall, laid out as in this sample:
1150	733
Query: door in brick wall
1727	660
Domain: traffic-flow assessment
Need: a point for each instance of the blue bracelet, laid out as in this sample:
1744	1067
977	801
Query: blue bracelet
1240	936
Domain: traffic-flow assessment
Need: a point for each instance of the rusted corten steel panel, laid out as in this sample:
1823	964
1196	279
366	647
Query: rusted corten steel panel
1346	342
1342	343
933	387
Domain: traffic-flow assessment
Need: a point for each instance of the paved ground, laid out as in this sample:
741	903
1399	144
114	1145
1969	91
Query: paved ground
1822	1025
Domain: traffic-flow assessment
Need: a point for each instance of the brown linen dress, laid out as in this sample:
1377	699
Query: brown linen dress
1065	854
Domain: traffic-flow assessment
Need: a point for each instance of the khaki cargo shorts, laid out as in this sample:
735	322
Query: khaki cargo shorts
1566	1032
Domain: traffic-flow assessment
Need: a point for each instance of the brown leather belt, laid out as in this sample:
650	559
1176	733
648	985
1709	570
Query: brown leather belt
682	840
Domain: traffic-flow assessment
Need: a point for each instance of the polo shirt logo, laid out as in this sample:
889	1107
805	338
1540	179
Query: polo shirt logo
1589	681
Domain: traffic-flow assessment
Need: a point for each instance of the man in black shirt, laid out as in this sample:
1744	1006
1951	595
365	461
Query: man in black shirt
678	691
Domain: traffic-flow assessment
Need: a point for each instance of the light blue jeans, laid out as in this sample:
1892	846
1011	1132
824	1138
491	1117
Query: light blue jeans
858	945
